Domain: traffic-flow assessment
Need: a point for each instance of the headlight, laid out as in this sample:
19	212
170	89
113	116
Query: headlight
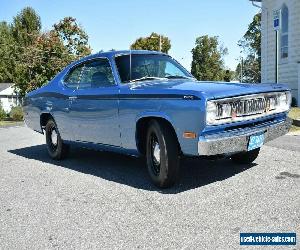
246	107
217	112
211	112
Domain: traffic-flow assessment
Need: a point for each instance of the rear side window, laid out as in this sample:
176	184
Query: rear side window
73	78
96	74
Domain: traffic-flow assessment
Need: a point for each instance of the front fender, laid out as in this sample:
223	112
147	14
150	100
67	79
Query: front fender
157	114
187	146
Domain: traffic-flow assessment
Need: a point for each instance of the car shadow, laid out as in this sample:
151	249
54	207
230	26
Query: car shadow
132	171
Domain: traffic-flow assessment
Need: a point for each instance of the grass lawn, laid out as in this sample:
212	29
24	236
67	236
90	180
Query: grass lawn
294	129
9	123
295	113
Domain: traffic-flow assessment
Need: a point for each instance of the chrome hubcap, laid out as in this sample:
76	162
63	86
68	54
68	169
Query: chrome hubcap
54	137
156	153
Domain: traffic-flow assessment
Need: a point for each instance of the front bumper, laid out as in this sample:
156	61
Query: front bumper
236	140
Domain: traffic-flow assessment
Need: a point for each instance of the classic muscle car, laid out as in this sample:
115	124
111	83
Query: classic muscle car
144	103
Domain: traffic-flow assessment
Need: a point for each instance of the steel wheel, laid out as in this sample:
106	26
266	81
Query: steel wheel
56	148
53	137
155	154
162	154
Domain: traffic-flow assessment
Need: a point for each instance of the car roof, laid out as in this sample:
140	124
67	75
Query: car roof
119	52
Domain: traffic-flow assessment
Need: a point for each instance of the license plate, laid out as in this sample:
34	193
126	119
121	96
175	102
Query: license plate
256	141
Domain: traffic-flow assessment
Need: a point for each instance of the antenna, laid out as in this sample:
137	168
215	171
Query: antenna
130	65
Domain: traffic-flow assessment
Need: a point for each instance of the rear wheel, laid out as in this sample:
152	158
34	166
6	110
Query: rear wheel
55	146
162	154
245	157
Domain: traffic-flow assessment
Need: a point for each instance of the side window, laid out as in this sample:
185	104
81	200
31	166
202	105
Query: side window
73	78
96	74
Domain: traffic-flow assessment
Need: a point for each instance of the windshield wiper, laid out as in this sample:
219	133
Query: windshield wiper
144	78
178	77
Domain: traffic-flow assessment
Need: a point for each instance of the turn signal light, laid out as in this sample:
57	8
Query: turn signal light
189	135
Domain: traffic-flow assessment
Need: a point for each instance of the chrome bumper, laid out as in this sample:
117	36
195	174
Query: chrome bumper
234	141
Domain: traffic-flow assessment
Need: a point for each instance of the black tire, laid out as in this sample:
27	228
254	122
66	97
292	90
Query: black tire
163	169
56	150
245	157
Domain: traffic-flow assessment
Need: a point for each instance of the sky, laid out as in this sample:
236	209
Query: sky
115	24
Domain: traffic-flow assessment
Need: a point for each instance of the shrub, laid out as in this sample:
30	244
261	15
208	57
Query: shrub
16	113
294	102
2	112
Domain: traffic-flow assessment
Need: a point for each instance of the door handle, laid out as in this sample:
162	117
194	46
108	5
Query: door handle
72	98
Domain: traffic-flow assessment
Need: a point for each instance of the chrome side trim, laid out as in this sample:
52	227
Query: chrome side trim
237	140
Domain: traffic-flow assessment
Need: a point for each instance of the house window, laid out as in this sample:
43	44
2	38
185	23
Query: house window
284	50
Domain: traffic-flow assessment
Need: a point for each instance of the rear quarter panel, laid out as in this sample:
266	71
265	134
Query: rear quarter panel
50	99
33	106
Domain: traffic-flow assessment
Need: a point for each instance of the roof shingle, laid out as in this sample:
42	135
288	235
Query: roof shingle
4	86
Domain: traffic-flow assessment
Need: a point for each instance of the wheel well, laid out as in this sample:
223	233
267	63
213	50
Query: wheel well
44	118
141	132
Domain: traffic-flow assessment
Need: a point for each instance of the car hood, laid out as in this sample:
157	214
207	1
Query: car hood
210	90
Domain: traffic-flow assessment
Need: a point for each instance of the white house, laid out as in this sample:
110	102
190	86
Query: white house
8	97
288	45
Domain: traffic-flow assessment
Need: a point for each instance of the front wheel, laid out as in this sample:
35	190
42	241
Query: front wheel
162	154
55	146
245	157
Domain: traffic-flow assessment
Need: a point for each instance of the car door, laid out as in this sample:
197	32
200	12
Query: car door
95	109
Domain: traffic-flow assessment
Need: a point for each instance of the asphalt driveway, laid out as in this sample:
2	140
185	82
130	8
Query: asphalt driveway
105	201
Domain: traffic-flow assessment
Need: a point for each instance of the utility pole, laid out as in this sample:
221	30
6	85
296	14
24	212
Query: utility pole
160	41
276	56
277	25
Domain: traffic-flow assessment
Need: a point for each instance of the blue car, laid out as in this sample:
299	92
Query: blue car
144	103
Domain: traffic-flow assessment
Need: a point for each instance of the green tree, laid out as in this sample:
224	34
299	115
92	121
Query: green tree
251	47
30	58
73	36
14	40
26	26
41	62
7	48
16	113
208	63
251	70
227	75
152	42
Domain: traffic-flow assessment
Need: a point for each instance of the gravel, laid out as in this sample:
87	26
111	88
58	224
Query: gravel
97	200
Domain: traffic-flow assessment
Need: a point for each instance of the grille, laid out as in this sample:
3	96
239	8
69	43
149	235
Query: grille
250	106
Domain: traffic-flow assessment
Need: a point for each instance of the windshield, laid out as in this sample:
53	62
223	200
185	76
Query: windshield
149	67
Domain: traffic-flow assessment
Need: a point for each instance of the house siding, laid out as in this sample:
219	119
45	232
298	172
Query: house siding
8	97
288	67
8	102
